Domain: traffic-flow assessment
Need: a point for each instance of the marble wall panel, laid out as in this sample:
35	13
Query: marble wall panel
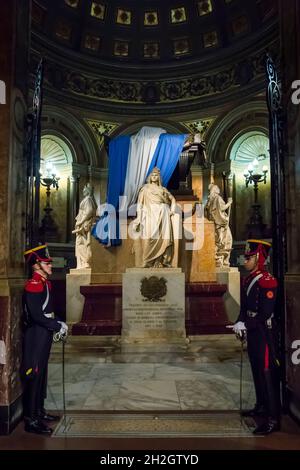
4	301
14	44
6	32
292	290
10	332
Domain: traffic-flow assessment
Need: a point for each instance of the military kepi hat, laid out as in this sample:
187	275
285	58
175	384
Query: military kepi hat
36	254
257	246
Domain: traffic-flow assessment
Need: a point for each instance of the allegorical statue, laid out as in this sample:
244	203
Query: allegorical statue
216	211
84	222
156	206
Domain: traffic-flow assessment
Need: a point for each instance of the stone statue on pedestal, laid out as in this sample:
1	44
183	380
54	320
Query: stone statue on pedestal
215	210
156	206
84	222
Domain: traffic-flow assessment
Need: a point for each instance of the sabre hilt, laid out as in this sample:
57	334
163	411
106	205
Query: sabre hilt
241	336
60	336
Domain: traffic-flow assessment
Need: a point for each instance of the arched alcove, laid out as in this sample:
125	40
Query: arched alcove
229	126
248	147
56	151
72	131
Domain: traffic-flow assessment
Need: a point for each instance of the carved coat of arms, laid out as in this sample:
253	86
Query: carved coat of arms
153	288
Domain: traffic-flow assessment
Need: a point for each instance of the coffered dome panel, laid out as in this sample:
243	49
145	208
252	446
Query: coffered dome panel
150	31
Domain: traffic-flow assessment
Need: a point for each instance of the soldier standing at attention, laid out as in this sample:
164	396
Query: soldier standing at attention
258	296
39	323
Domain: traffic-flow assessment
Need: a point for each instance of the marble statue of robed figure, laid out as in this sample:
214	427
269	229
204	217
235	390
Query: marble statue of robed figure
156	206
216	211
84	222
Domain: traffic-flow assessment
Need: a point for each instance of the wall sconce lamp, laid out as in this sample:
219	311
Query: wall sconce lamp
254	176
49	179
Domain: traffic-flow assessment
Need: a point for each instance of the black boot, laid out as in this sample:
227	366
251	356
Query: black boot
35	426
42	414
258	410
267	427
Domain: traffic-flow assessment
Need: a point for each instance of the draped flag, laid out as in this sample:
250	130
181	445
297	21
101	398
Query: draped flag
106	231
167	154
141	151
131	160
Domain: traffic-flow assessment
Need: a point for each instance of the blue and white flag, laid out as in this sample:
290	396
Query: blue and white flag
131	160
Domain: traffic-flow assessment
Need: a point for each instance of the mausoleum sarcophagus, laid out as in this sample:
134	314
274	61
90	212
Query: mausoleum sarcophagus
194	253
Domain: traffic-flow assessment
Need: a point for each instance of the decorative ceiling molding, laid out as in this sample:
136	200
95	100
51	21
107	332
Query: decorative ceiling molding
101	128
211	58
200	126
228	79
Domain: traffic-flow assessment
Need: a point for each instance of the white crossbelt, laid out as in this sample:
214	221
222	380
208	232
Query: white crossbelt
48	315
47	298
254	280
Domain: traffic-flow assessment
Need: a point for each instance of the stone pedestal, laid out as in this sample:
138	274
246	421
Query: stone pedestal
153	306
74	299
102	313
230	277
194	252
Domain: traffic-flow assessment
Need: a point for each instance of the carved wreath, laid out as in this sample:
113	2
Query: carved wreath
153	288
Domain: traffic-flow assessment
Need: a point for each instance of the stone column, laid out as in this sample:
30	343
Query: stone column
197	182
72	205
96	177
14	46
290	50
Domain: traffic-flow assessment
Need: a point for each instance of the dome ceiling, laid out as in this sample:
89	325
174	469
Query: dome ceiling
150	31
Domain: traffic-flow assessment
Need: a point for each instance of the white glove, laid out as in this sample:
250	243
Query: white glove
238	328
64	326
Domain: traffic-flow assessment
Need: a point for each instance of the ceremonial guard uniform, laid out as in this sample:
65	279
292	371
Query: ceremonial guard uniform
258	296
39	324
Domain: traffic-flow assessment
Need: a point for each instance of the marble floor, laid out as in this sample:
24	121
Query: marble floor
102	374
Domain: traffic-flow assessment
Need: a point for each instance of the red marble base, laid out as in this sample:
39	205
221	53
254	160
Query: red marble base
102	313
205	309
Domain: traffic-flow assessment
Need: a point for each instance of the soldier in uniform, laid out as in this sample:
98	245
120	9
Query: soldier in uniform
258	296
39	324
